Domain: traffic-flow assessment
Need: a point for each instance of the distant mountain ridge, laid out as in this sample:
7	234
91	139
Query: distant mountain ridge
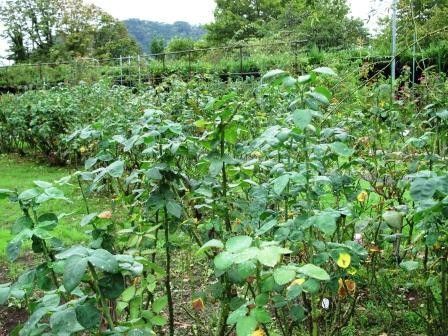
144	31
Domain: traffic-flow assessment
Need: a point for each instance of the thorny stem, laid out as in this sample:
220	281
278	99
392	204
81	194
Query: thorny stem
168	273
103	303
83	196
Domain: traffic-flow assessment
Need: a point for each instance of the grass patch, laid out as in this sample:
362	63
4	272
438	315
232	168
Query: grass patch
18	174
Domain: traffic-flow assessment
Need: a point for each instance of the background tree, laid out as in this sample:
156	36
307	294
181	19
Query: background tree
240	19
43	30
157	45
322	22
145	31
427	19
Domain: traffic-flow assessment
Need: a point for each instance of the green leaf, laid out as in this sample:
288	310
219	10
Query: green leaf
324	91
28	195
13	250
240	272
325	222
325	71
238	243
261	315
88	219
75	250
293	291
128	294
64	322
269	256
116	169
30	325
443	114
262	299
302	118
319	97
215	166
88	315
280	184
410	265
159	304
266	227
43	184
273	74
5	193
4	294
111	285
236	315
74	270
223	260
104	260
158	320
341	149
393	218
284	275
246	326
314	272
55	193
214	243
297	313
47	221
311	286
423	189
174	208
22	223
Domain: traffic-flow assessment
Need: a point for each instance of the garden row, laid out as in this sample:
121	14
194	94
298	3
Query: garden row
312	204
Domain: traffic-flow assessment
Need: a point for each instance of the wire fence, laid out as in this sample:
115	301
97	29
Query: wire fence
137	70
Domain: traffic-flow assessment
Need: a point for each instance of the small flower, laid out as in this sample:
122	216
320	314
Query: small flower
82	150
358	238
258	332
198	304
344	260
362	196
325	303
105	215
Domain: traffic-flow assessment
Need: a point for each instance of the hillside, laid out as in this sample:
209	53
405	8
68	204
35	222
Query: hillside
144	31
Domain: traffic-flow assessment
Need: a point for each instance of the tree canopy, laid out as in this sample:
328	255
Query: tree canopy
51	30
322	22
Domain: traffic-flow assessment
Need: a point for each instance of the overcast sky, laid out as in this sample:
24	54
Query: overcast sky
201	11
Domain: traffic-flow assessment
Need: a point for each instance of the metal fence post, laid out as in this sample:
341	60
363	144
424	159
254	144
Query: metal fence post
121	70
241	61
294	50
189	63
40	75
139	71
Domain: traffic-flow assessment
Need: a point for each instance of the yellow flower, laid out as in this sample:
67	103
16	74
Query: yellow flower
344	260
362	196
82	150
258	332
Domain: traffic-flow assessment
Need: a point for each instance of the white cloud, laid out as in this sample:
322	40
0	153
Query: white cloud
193	11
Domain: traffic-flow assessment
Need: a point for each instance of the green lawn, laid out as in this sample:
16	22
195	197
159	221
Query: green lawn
18	173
